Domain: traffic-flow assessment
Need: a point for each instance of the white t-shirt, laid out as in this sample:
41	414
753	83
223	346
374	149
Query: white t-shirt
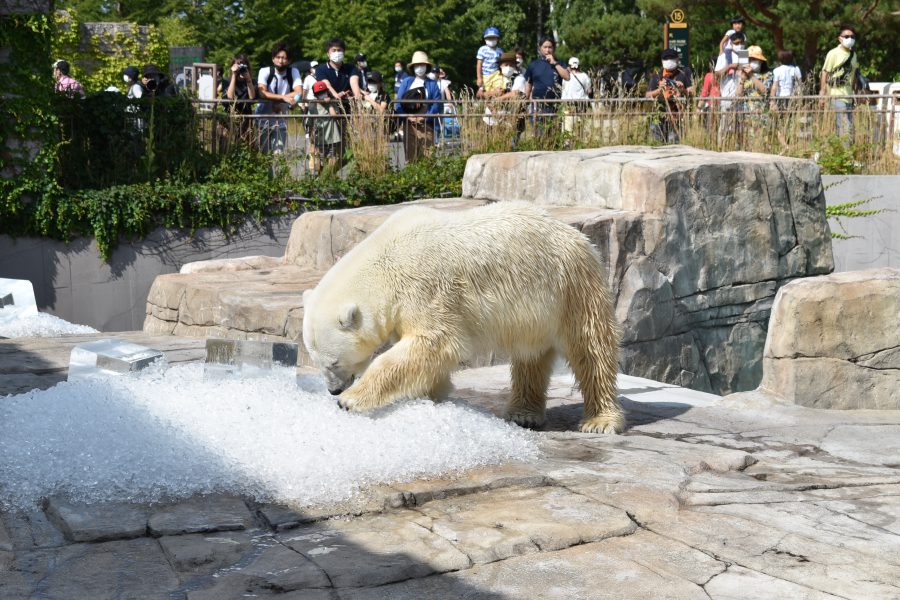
519	84
308	84
577	87
417	83
135	90
786	76
280	83
728	83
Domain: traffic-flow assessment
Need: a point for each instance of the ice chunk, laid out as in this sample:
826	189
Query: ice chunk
108	357
16	300
249	357
175	433
41	325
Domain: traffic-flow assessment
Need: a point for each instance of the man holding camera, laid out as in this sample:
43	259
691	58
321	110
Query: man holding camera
672	85
155	81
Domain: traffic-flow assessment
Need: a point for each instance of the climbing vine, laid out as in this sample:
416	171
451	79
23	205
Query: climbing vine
98	61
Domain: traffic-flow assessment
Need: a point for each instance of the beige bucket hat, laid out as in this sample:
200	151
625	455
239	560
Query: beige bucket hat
419	58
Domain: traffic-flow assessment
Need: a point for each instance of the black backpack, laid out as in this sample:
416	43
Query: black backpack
414	94
271	78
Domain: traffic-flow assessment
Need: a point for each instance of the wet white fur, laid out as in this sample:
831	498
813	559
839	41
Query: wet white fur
451	285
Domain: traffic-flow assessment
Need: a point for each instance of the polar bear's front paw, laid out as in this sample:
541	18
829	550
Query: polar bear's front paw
524	418
611	424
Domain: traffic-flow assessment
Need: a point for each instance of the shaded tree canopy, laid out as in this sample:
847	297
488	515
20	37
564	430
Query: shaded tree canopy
598	32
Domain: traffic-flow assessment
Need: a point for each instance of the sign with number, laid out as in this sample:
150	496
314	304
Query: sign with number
676	35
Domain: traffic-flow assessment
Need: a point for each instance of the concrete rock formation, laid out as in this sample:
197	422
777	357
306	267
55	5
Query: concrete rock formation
834	341
697	245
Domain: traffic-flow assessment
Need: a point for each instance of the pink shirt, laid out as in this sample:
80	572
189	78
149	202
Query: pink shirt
69	86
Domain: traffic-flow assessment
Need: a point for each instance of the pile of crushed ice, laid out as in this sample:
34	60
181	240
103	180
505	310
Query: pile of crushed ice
40	325
173	433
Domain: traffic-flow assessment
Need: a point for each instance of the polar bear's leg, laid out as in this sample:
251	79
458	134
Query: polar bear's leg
530	378
412	368
592	349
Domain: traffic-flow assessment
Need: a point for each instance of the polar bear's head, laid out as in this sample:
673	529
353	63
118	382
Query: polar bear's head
337	340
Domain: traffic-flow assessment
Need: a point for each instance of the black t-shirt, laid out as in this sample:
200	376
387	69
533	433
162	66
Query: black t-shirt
240	93
339	79
544	78
683	75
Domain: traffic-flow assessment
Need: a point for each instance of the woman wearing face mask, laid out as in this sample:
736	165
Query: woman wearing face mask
375	97
131	77
418	129
756	79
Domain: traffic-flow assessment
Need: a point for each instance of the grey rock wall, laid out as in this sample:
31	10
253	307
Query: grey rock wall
697	246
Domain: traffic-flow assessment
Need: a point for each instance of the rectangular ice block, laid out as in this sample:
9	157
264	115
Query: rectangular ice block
16	299
110	357
250	354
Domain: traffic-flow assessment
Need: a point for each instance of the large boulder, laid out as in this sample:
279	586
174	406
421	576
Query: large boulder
696	244
834	341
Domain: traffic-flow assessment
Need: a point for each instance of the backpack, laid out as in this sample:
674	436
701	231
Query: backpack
266	106
414	94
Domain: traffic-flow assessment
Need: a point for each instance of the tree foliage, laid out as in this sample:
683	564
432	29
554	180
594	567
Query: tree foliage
600	32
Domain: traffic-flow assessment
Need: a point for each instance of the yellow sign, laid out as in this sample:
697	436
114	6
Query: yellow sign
677	15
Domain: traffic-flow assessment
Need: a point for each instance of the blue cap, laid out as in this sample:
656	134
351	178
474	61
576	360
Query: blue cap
491	31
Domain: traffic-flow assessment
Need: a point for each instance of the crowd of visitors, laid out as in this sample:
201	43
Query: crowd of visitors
739	81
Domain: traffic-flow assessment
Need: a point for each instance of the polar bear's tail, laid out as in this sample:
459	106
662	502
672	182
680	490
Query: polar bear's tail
592	344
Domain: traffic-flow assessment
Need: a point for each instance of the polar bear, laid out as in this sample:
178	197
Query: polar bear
439	287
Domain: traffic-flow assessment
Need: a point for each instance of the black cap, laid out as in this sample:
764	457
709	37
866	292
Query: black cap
360	57
131	72
375	77
738	19
668	53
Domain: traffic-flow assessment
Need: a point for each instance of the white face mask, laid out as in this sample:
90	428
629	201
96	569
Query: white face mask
126	78
737	46
670	65
848	42
336	57
491	43
755	65
506	70
420	70
372	88
397	69
363	65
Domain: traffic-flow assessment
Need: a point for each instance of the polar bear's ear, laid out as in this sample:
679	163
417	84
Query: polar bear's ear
349	316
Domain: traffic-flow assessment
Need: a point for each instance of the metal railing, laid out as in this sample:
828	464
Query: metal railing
795	126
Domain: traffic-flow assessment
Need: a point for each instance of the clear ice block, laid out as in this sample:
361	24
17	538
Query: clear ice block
249	357
16	299
110	357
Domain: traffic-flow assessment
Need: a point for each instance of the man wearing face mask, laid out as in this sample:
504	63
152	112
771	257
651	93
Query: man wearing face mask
840	77
280	87
342	79
399	75
418	130
362	65
671	86
728	72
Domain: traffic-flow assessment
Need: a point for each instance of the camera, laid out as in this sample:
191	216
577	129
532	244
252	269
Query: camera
151	84
241	68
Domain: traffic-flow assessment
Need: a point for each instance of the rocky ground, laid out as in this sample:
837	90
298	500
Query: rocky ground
702	497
